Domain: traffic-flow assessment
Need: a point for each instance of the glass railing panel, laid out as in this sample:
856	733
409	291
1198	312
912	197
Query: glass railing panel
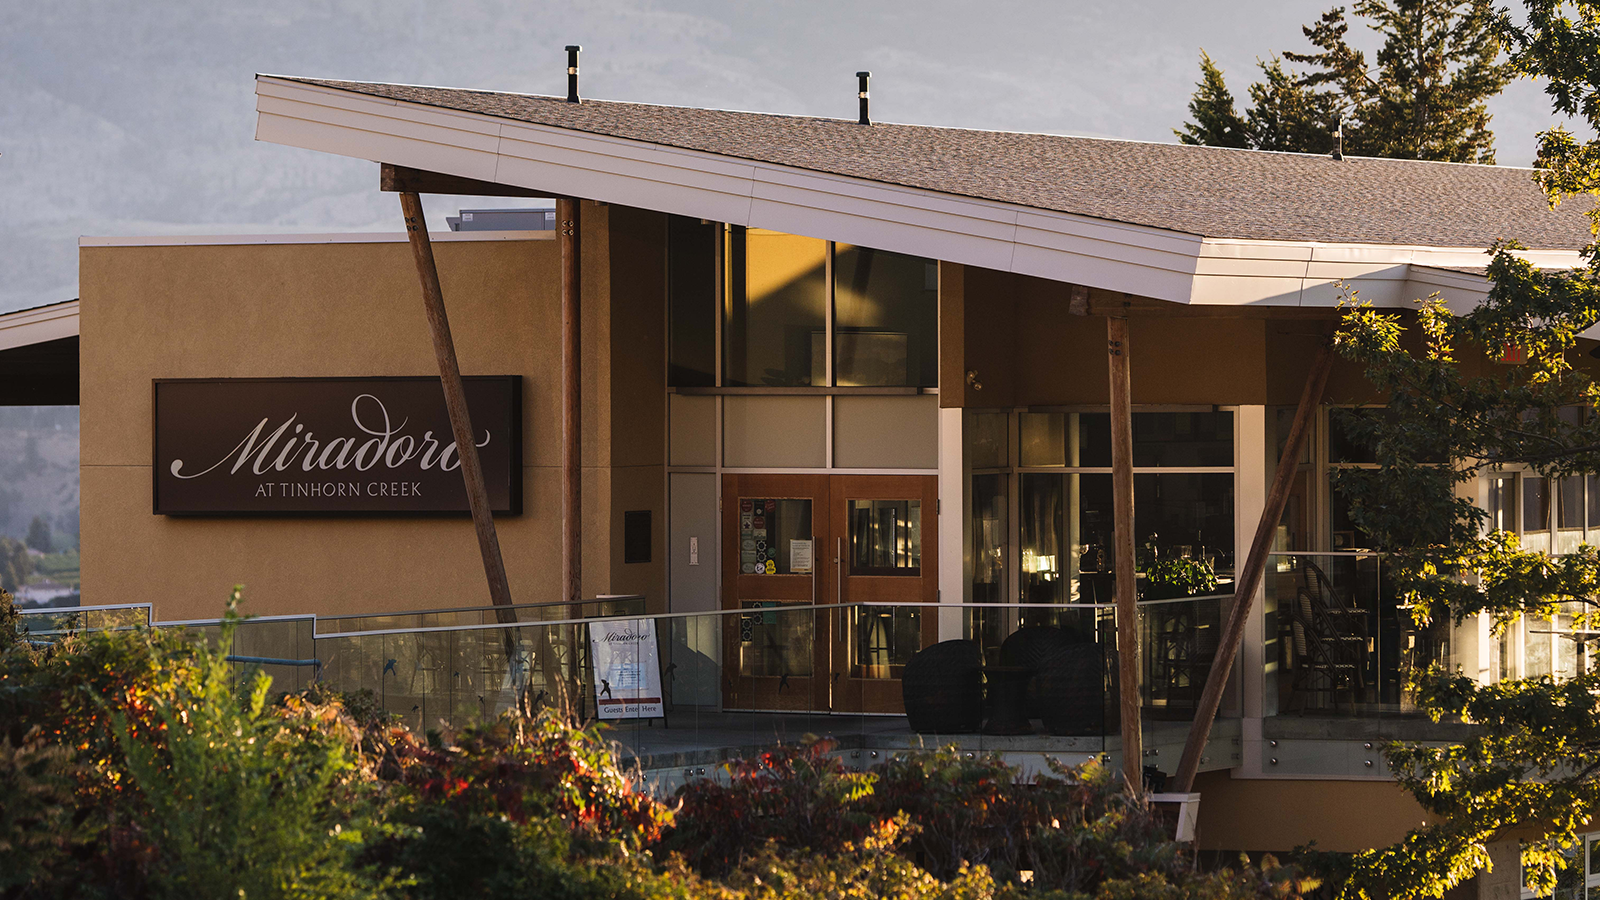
1179	640
1339	640
1028	679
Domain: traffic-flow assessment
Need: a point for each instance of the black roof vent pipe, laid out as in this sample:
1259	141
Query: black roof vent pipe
862	77
1338	140
572	72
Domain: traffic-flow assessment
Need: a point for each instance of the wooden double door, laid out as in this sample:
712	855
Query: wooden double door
861	548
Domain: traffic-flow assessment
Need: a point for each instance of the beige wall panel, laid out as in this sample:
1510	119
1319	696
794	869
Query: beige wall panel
886	432
774	431
692	440
307	310
185	566
355	310
1277	815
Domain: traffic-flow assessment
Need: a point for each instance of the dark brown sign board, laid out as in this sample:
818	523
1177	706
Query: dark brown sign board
329	446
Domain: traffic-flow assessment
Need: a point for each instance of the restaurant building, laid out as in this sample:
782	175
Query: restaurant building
822	363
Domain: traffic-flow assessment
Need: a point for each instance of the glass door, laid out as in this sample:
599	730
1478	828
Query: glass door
774	530
885	552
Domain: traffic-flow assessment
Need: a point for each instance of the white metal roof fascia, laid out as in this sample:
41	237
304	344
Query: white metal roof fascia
1315	274
1150	262
39	325
354	237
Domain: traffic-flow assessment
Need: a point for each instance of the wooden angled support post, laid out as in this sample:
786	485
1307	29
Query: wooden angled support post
1124	561
455	404
1250	576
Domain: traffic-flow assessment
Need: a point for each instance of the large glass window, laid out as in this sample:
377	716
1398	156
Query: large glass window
1536	512
1184	536
776	319
1569	513
1177	439
691	302
886	318
1503	503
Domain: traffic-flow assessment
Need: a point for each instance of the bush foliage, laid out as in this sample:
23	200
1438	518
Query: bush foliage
141	764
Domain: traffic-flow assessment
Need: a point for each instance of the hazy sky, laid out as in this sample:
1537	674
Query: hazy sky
139	118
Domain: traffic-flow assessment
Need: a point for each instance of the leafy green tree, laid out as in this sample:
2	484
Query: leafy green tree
15	564
1216	123
1535	766
1422	97
1454	415
39	535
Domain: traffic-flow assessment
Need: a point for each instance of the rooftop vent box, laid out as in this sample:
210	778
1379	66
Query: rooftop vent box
503	220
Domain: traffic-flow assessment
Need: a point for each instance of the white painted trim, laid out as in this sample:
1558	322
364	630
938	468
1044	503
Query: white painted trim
1152	262
1136	259
38	325
1250	489
354	237
952	524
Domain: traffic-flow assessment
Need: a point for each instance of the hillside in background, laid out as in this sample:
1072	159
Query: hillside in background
39	471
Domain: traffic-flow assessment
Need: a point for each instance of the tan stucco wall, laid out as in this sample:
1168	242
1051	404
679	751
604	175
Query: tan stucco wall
1279	815
355	310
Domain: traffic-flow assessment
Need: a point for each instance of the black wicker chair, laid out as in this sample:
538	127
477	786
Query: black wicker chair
943	688
1037	647
1072	691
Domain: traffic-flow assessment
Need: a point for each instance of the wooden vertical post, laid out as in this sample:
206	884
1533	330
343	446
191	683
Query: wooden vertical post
1126	576
1250	576
455	404
571	396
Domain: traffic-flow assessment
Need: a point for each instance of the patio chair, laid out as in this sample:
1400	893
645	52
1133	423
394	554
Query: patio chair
1329	641
942	687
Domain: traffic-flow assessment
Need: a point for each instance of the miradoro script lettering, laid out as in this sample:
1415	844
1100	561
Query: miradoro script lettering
385	444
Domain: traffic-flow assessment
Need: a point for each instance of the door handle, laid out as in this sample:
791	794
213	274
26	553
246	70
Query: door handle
838	565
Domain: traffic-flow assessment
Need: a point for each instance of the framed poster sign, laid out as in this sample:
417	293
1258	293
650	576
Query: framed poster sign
627	670
329	446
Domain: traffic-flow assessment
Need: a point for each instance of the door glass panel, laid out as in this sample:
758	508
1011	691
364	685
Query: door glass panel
885	537
886	637
774	642
775	536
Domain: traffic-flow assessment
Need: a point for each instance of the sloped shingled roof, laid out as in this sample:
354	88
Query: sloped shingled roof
1209	191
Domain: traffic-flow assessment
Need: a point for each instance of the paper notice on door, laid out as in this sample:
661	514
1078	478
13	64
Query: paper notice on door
800	557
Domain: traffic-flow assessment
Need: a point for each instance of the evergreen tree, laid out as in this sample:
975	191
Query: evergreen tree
1216	122
1422	98
1287	115
39	535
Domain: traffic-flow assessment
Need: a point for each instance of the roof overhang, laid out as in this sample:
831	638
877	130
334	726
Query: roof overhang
1136	259
39	356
